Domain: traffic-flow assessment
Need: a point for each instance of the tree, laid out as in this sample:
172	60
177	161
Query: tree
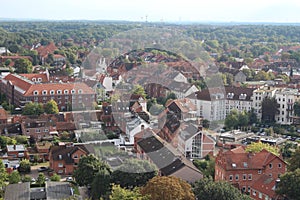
88	167
23	66
26	178
51	107
269	109
256	147
168	188
289	185
41	179
231	120
252	117
134	172
24	166
297	108
3	177
4	140
243	119
206	188
119	193
294	162
101	184
14	177
33	109
55	177
138	89
21	139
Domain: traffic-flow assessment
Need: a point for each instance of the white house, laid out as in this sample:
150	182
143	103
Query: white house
133	127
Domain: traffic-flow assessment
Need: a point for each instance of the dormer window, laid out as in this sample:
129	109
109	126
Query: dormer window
243	96
73	91
51	92
58	91
230	95
35	92
44	92
34	79
39	80
80	91
66	91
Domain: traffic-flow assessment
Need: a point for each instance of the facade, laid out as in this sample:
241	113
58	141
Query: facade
16	151
64	159
243	169
194	143
20	90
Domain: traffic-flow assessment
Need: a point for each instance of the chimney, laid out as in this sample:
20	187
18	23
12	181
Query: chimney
15	147
143	130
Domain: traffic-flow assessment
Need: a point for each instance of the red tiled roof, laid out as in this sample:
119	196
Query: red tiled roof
265	184
36	76
15	80
43	51
3	114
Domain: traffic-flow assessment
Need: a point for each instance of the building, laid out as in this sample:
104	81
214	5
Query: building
169	162
194	143
244	170
3	116
64	158
20	90
16	151
259	95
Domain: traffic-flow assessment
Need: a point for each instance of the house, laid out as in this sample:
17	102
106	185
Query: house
51	191
169	162
193	142
16	151
20	90
244	170
3	116
37	129
64	158
134	126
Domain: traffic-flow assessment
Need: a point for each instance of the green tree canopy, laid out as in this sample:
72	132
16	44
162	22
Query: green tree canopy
269	109
25	166
14	177
256	147
294	161
119	193
33	109
168	188
101	184
88	167
206	188
51	107
23	66
55	177
134	172
289	185
4	140
3	176
138	89
41	179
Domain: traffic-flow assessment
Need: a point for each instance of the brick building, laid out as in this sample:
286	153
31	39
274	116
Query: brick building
248	170
20	90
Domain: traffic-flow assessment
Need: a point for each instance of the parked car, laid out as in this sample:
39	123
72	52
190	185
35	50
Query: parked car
42	169
69	178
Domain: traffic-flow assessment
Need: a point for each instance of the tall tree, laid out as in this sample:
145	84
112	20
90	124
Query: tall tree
138	89
41	179
294	162
88	167
206	188
134	172
33	109
119	193
3	177
101	184
289	185
51	107
269	109
14	177
24	166
23	66
259	146
168	188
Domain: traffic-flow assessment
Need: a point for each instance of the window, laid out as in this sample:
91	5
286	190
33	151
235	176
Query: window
60	165
244	189
75	156
230	177
73	91
236	177
51	92
80	91
270	165
259	171
44	92
46	130
249	176
37	130
254	193
244	176
260	195
39	79
66	91
279	165
58	91
35	92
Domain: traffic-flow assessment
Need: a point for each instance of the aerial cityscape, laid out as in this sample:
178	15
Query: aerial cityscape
160	100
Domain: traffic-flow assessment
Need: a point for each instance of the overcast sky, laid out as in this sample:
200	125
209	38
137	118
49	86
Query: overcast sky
155	10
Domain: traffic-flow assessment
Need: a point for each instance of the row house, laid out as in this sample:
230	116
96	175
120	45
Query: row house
16	151
68	96
245	170
165	157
